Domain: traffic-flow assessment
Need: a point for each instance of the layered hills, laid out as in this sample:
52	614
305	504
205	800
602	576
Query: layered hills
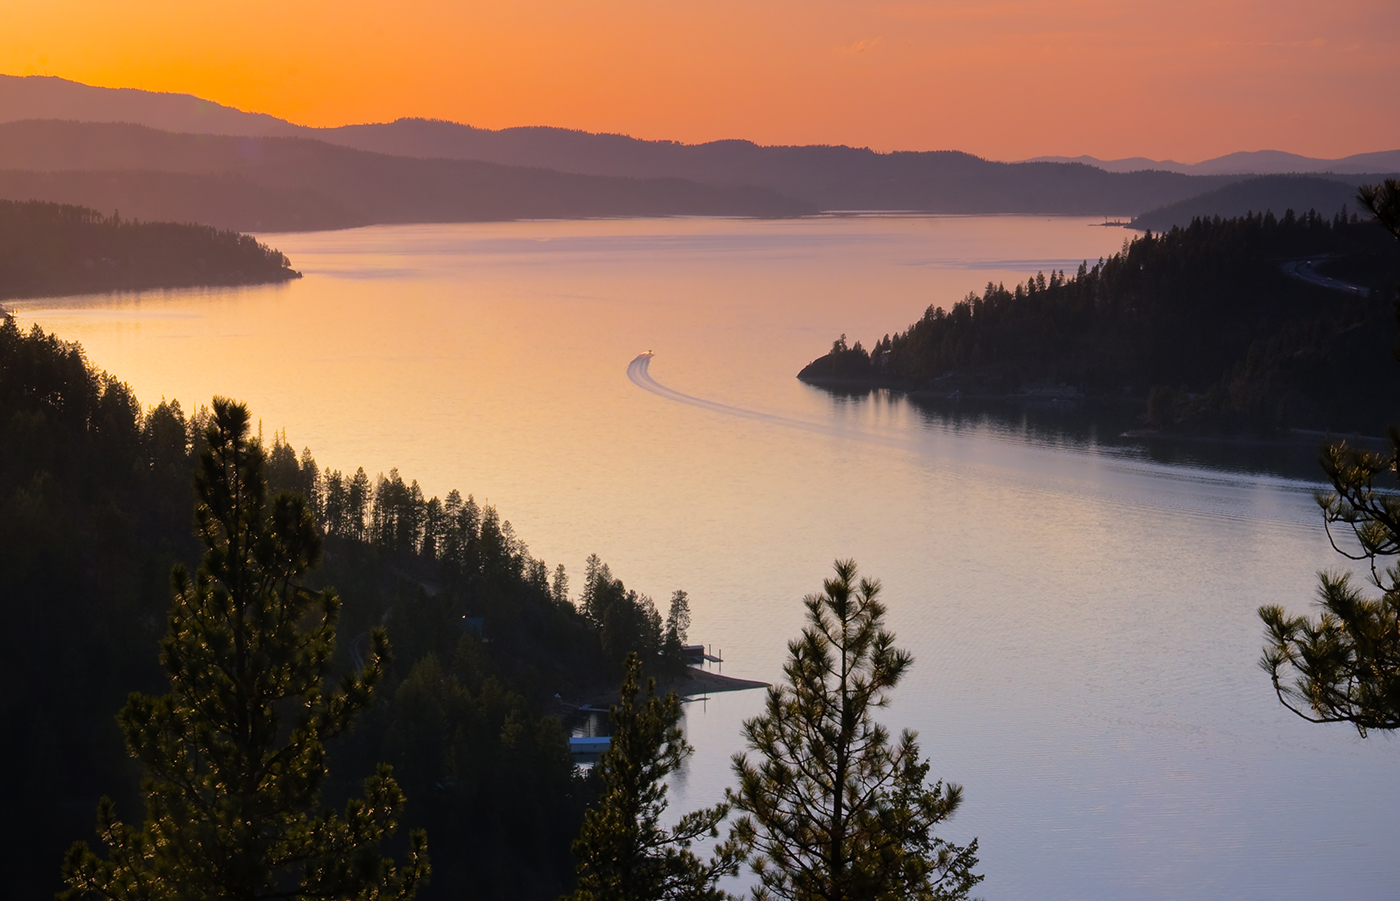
175	156
416	171
1252	162
832	178
286	184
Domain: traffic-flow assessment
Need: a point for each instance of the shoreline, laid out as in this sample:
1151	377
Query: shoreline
1294	437
282	277
700	682
695	683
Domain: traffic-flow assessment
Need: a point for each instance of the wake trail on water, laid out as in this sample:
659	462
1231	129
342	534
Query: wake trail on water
1202	486
639	372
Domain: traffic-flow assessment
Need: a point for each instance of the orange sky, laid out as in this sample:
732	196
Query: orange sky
1006	79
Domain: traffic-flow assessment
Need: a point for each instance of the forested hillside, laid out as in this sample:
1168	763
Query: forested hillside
47	249
96	505
1329	195
1200	328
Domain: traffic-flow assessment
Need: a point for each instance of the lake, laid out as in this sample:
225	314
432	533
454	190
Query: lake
1081	609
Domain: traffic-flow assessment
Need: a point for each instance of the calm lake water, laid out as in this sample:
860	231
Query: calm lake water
1081	611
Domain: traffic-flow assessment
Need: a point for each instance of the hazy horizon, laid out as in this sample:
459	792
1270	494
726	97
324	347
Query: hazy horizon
1077	156
1012	80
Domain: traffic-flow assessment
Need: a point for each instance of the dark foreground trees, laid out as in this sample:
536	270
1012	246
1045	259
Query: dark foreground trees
831	809
624	852
234	754
1344	667
96	497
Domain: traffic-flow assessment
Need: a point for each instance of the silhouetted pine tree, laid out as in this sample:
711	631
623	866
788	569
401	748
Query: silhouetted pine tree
1344	667
831	809
234	754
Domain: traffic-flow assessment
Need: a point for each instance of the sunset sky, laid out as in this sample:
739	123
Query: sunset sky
1005	79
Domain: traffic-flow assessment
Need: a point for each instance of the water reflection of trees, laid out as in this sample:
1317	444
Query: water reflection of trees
1086	425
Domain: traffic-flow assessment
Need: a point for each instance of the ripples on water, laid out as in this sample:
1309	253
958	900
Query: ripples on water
1081	608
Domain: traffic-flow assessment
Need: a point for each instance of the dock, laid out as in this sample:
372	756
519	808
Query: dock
696	653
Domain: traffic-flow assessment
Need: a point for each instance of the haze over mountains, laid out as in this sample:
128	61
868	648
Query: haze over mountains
292	184
1276	193
180	157
1256	162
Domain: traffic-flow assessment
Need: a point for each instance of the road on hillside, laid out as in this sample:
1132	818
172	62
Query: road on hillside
1306	270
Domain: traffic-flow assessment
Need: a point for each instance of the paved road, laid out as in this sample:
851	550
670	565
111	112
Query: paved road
1306	270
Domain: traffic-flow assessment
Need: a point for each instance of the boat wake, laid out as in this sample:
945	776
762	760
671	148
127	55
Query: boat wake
1010	460
639	372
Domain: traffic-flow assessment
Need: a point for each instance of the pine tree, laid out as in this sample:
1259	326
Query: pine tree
831	809
234	754
1383	200
1345	666
624	853
676	632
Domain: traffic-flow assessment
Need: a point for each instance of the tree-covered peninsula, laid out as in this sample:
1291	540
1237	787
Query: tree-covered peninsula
97	501
1250	325
50	249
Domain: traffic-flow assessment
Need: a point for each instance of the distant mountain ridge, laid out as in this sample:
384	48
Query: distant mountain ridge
831	177
723	178
49	97
826	177
1246	162
223	166
294	184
